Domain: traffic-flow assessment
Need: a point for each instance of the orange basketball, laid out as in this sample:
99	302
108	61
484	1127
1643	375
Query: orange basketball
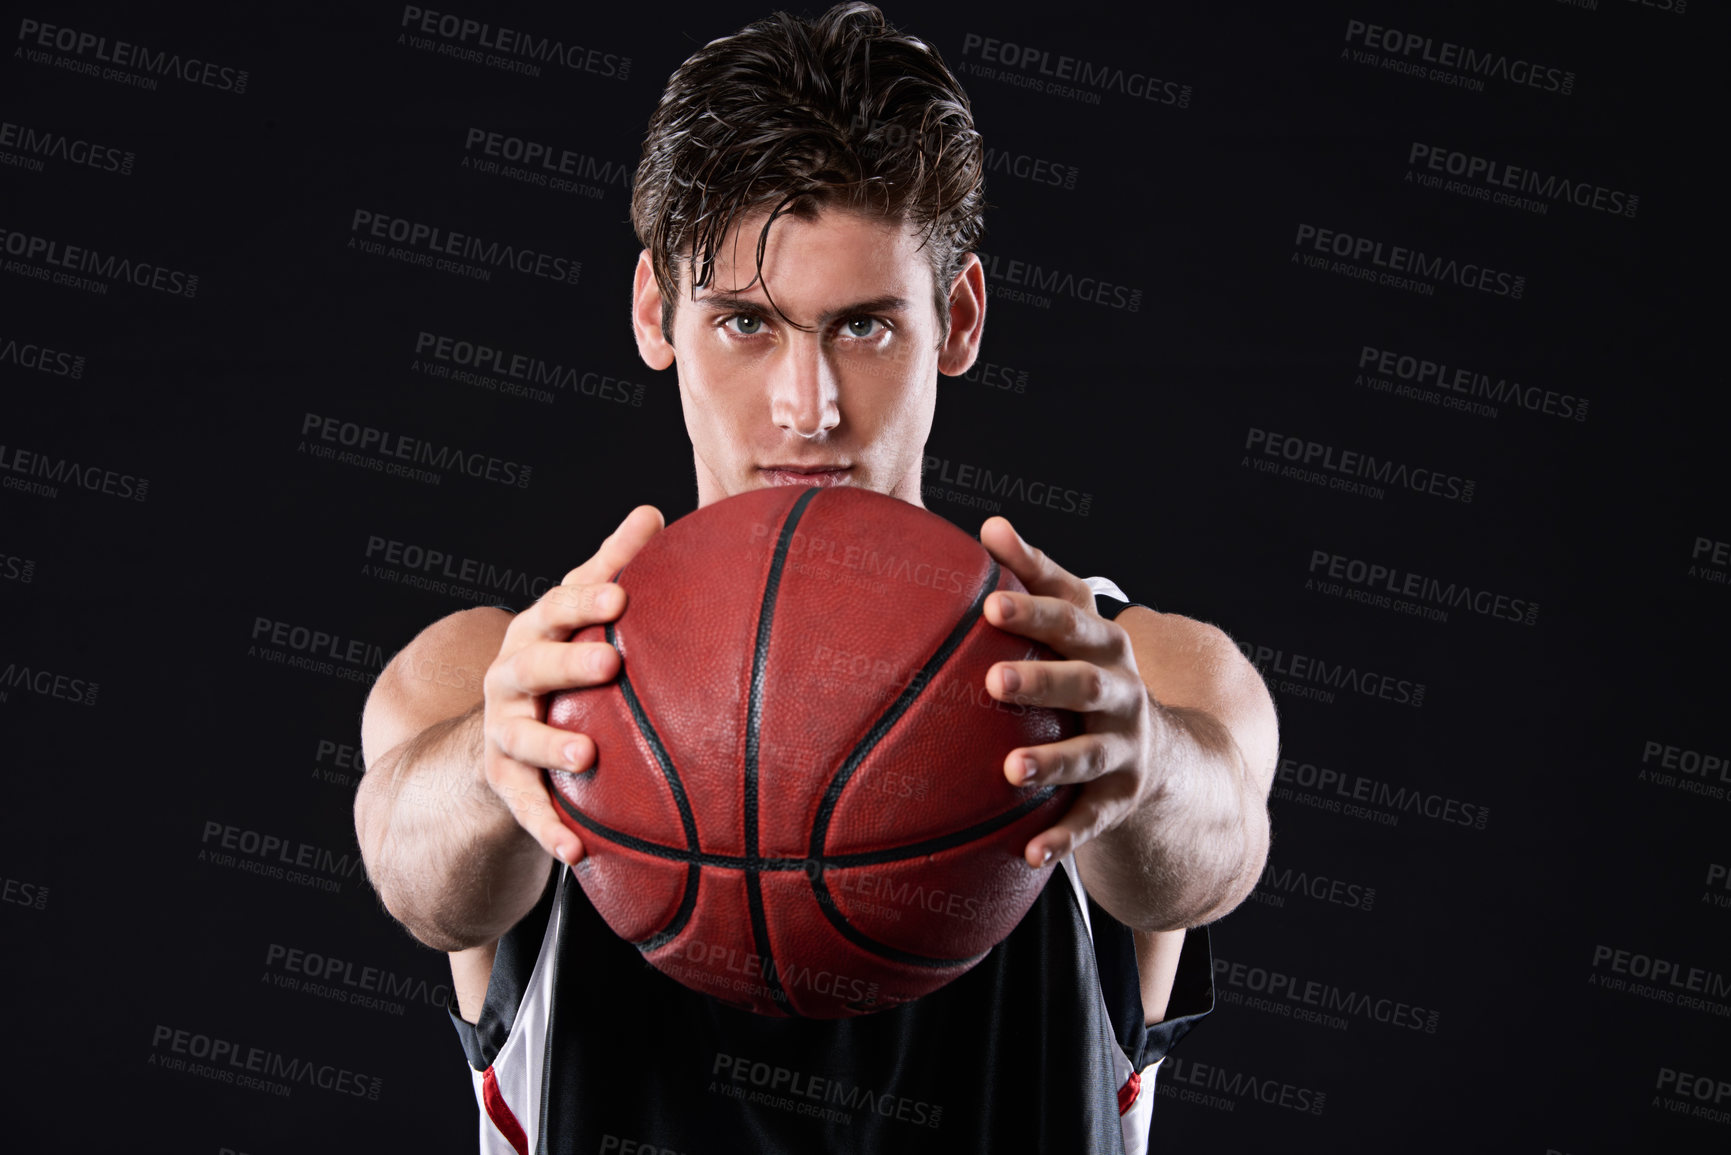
798	804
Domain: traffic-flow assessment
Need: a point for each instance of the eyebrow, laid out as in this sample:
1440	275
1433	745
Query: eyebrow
725	302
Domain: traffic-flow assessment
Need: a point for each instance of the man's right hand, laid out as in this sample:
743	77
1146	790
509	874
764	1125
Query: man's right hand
536	661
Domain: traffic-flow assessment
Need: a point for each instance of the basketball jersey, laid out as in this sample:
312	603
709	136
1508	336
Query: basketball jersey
582	1046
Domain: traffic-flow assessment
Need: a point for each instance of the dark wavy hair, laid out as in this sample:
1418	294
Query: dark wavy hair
796	115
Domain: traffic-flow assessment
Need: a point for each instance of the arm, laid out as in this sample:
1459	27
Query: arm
443	851
454	824
1175	763
1195	843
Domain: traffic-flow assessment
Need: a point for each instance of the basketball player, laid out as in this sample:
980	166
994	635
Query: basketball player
808	198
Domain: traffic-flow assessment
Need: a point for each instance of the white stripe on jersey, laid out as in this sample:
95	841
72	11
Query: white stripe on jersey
517	1067
1136	1120
1106	586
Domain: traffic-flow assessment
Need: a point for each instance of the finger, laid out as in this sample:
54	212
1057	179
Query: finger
549	667
565	609
537	745
1073	630
1039	573
1099	806
621	546
1074	760
524	792
1074	685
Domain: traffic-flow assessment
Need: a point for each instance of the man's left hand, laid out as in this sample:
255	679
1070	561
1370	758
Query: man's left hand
1112	759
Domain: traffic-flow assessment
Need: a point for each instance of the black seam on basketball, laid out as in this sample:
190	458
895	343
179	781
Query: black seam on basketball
830	862
754	719
860	939
687	904
892	714
826	901
832	796
669	772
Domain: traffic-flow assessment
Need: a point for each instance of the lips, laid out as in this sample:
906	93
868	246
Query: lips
815	475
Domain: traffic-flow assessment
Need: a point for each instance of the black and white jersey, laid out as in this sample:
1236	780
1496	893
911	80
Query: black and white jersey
582	1046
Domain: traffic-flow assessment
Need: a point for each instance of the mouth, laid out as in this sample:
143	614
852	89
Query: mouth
815	475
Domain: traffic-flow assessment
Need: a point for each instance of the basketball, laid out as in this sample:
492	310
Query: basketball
798	804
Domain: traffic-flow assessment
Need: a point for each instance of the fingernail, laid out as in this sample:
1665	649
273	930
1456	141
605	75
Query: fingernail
562	851
1029	769
570	753
1006	608
1012	680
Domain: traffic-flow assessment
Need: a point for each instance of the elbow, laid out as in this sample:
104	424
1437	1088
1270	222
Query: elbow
1236	868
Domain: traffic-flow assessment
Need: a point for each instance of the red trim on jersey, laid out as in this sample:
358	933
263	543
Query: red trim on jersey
1129	1091
500	1112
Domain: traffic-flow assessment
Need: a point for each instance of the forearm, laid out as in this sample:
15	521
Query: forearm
441	848
1195	846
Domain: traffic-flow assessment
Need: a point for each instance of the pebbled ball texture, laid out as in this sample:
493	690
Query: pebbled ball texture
798	804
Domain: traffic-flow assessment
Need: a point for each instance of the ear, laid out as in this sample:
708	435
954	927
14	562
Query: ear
967	319
646	316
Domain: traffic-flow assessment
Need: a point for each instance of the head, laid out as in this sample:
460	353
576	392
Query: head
809	197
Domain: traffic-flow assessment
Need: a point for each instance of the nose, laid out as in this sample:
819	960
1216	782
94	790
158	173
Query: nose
805	396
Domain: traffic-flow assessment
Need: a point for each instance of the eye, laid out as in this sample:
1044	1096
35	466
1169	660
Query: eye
863	327
743	324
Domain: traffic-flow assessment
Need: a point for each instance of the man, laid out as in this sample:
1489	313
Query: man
808	198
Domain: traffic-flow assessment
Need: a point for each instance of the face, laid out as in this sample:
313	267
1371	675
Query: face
848	400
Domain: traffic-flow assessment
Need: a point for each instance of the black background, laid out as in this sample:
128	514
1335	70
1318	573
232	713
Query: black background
118	921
